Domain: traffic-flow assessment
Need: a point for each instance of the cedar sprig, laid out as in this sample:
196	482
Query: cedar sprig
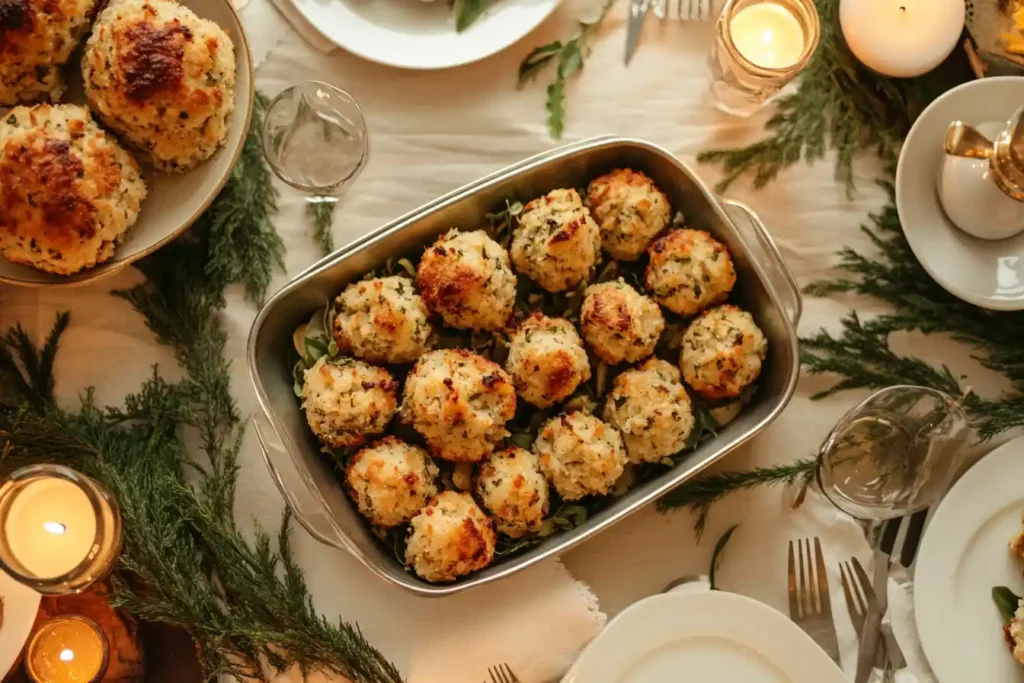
700	494
321	215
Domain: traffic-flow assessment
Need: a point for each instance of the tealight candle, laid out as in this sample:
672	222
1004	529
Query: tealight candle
761	45
768	35
59	530
902	38
67	649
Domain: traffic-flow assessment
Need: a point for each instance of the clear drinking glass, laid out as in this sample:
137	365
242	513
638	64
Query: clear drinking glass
754	58
894	454
315	139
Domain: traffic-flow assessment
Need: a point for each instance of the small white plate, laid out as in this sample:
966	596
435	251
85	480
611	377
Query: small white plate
711	637
21	604
412	34
173	202
964	553
985	273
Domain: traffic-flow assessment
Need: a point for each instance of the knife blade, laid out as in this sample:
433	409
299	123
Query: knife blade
637	13
871	635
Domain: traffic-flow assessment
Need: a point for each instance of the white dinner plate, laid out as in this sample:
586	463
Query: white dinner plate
20	605
964	553
711	637
173	202
985	273
412	34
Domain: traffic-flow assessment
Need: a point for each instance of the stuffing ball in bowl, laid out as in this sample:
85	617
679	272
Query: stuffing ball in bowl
630	209
382	320
722	352
688	271
619	323
513	489
449	538
580	455
465	277
391	481
546	360
37	38
651	410
68	191
557	243
347	400
459	402
163	78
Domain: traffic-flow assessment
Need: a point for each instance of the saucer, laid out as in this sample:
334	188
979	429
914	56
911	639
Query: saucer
986	273
20	605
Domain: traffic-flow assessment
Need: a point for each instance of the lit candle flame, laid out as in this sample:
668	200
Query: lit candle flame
55	528
66	655
766	39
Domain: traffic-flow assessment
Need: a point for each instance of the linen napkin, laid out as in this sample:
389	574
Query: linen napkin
309	33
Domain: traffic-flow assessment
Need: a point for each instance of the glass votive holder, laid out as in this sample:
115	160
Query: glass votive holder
315	139
60	531
67	649
760	46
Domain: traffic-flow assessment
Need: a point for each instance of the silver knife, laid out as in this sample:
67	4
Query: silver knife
871	635
637	13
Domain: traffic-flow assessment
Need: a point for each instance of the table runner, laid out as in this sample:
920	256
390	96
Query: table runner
430	133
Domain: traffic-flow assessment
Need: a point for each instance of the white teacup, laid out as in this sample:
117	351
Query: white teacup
972	199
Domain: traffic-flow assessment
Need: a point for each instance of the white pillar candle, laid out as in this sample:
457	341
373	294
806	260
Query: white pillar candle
50	527
767	35
902	37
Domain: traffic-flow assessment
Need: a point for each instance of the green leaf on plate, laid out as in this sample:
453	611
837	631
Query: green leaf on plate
468	11
315	349
1007	601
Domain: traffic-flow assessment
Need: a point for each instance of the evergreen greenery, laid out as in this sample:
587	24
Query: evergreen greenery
322	216
185	562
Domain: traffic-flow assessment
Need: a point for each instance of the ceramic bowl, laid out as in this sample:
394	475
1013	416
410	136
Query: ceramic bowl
174	202
986	273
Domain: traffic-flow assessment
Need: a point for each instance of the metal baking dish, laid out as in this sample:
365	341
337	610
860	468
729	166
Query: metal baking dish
765	287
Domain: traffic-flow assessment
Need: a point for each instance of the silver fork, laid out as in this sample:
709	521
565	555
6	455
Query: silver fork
684	10
859	597
502	674
809	604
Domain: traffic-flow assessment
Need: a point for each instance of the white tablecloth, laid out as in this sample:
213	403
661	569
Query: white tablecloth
432	132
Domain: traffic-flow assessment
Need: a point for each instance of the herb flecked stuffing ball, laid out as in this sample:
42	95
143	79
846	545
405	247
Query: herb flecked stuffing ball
449	538
347	400
512	488
466	278
546	360
37	38
580	455
391	481
619	323
651	409
557	243
459	402
688	271
723	350
630	209
382	320
68	191
163	78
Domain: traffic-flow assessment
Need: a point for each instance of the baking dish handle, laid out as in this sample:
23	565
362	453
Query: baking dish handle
330	537
768	254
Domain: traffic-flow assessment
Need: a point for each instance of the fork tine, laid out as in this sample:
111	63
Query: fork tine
819	561
794	604
812	597
511	676
854	601
858	592
497	676
865	582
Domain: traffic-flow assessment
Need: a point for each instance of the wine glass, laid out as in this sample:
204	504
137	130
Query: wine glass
315	139
894	454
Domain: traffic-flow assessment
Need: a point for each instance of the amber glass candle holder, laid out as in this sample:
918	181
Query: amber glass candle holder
67	649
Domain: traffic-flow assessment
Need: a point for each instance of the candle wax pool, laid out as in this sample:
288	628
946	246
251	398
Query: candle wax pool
66	651
767	35
51	527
